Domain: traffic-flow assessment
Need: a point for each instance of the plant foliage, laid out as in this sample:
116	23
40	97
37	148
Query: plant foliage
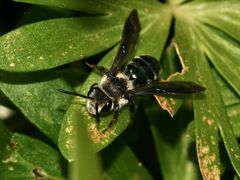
45	48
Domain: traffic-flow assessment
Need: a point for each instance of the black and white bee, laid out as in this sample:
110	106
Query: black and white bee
125	79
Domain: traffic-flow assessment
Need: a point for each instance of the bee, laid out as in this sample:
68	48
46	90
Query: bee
125	80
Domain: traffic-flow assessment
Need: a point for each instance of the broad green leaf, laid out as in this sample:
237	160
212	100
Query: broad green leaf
86	165
209	117
23	157
94	6
229	96
195	13
119	162
222	50
100	139
155	23
234	116
174	147
228	58
205	128
91	6
55	42
222	15
231	101
36	95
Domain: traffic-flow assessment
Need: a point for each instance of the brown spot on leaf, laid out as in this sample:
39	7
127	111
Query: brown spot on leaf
146	10
204	149
184	67
96	135
13	145
164	103
207	162
168	103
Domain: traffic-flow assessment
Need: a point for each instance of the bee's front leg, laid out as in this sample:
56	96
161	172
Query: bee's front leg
115	116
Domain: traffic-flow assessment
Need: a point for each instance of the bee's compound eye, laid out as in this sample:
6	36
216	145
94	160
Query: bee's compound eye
107	107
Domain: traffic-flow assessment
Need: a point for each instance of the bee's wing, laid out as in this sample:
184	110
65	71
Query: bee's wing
169	88
127	45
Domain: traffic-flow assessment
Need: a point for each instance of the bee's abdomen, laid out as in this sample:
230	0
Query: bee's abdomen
142	70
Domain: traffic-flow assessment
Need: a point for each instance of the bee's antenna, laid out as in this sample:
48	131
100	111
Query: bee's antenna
73	93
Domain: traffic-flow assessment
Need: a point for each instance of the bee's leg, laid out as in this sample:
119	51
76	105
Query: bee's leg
132	108
130	97
97	114
99	68
115	116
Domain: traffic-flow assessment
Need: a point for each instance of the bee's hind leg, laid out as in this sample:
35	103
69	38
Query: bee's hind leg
132	109
101	69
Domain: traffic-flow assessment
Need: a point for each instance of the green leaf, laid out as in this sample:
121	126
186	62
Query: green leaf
205	126
234	116
20	161
36	95
222	52
222	15
231	101
228	58
100	139
229	96
119	162
92	6
55	42
174	147
222	22
209	117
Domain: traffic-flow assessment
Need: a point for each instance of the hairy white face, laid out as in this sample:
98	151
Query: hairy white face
91	107
100	102
109	90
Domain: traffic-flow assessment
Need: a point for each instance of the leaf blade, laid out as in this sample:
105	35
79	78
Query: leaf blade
28	48
20	161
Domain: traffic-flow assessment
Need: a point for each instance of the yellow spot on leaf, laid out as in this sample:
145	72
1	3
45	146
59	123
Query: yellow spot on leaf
69	129
207	120
69	144
10	168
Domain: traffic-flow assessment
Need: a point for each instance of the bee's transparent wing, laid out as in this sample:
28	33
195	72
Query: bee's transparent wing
171	88
129	39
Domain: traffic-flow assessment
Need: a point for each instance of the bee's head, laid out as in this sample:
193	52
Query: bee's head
99	101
